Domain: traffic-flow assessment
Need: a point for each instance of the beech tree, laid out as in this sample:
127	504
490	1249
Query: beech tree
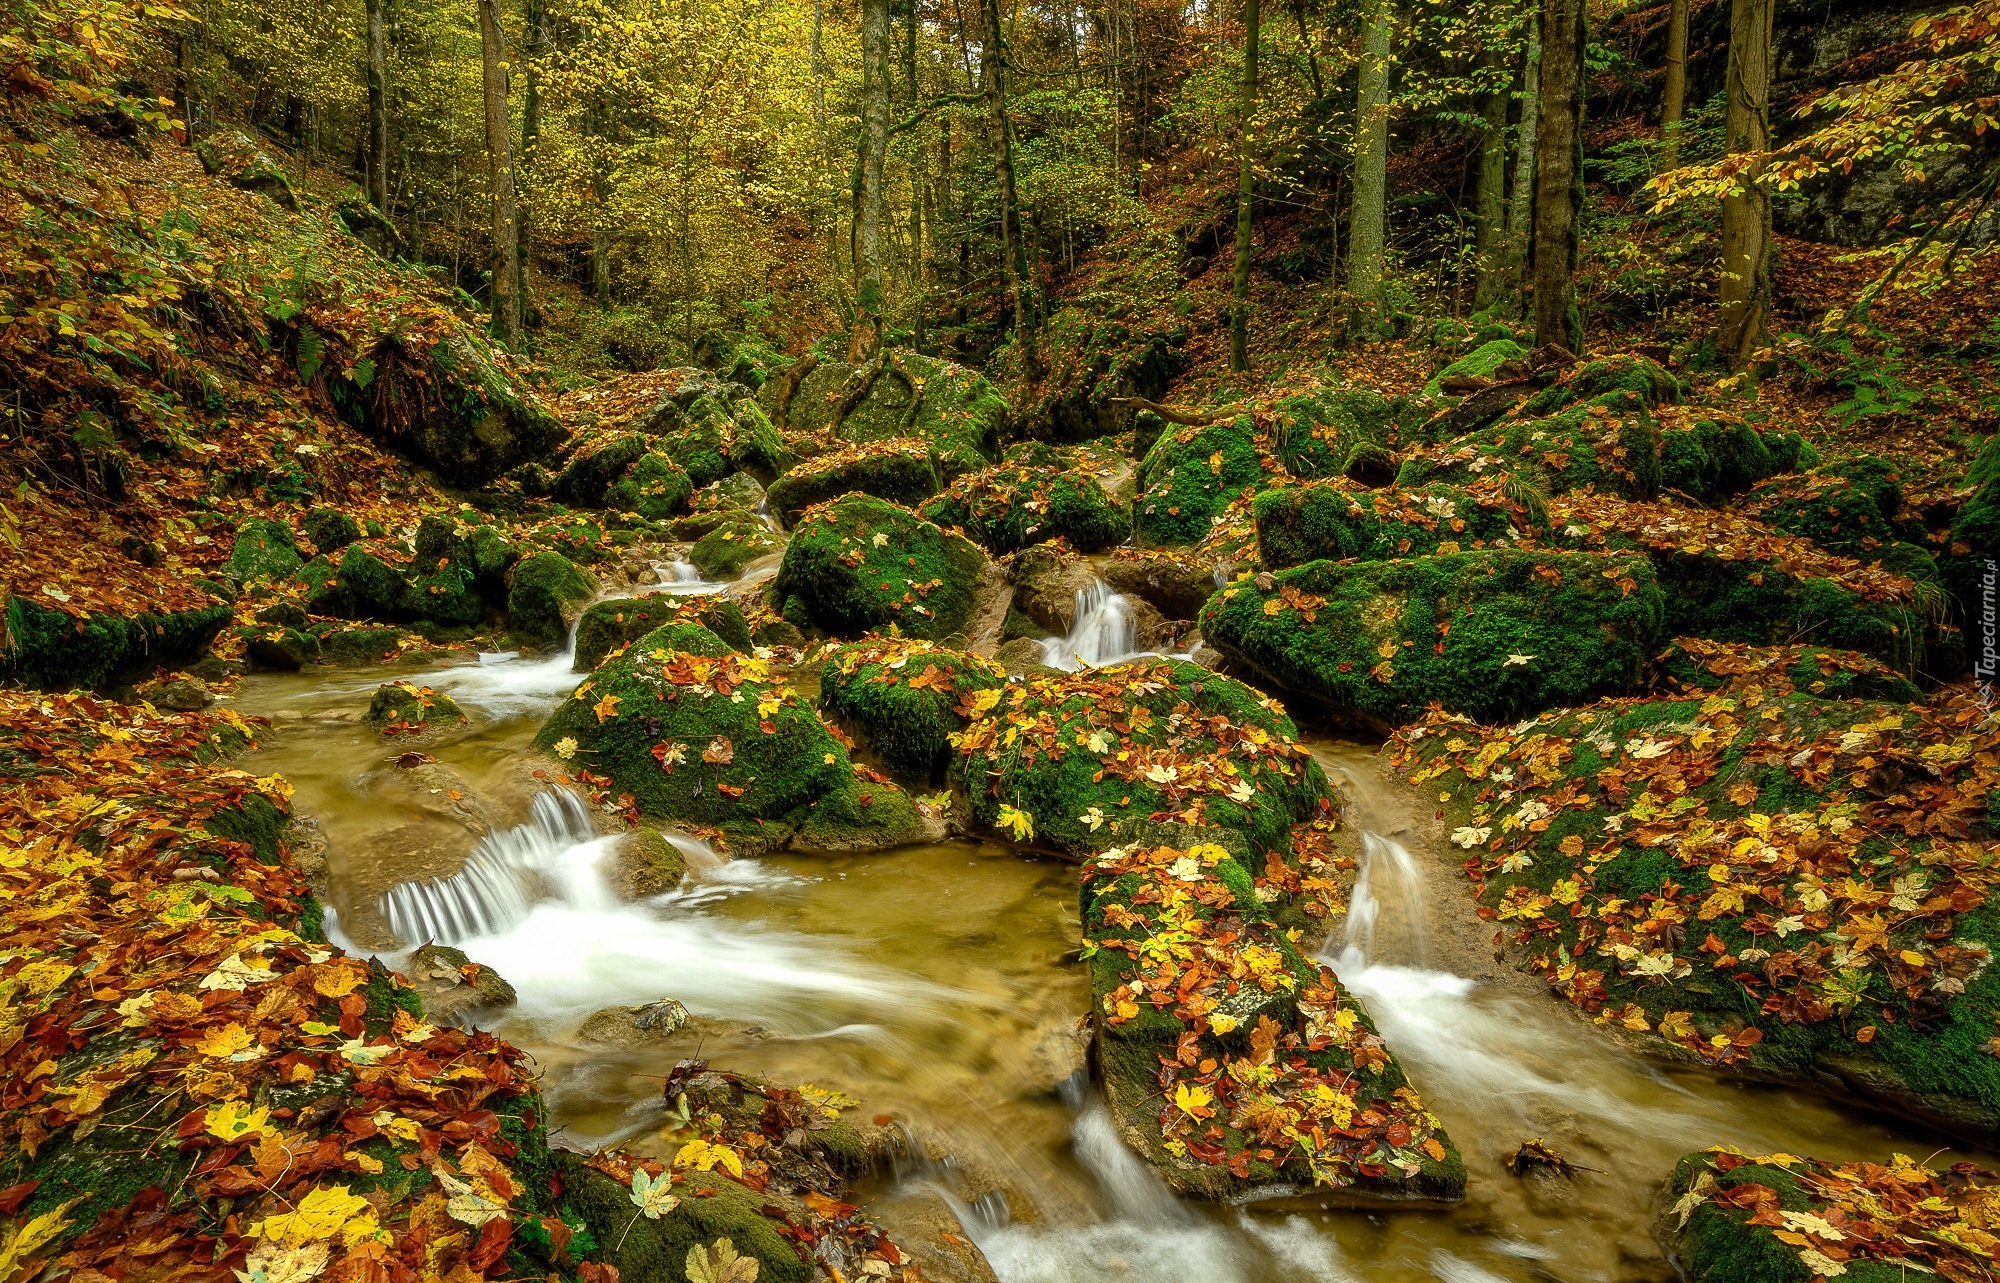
1746	210
1367	234
1559	176
1246	185
506	249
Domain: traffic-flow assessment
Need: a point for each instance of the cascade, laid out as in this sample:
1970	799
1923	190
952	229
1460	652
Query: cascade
494	890
1102	631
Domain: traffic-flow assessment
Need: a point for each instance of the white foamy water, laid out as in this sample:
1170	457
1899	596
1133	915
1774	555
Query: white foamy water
683	579
1102	632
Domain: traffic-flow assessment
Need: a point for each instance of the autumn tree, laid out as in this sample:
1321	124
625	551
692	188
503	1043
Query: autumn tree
1559	176
1246	186
866	331
506	250
1746	210
1673	92
1367	233
378	105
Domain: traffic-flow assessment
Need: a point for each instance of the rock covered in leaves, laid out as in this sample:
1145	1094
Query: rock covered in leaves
655	488
1495	634
901	470
1190	476
54	649
955	410
906	699
1012	505
723	552
1730	1217
613	623
1762	879
692	732
407	710
1230	1059
1339	520
860	564
1588	445
264	549
1328	427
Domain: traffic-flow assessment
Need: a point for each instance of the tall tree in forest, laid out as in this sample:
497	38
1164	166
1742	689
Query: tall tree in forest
1367	233
1521	202
1246	184
1673	95
378	105
1746	209
1014	263
537	40
1491	193
500	164
1559	177
866	332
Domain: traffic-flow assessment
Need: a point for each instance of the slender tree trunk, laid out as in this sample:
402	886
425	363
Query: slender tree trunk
1014	268
867	331
1367	231
378	105
531	142
1521	202
1746	211
1491	201
184	78
1246	189
1673	98
500	164
1559	177
1305	42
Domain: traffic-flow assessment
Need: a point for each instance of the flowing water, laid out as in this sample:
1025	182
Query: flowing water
1102	631
937	985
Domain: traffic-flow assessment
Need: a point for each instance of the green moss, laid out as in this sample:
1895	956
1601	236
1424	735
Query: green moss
1483	362
1011	506
407	705
859	565
696	439
908	728
546	586
1582	447
615	622
50	650
359	586
1337	520
657	1250
902	471
263	549
656	488
1713	459
583	483
1625	383
1387	638
256	822
330	529
756	446
1847	507
355	647
1319	430
723	552
1189	476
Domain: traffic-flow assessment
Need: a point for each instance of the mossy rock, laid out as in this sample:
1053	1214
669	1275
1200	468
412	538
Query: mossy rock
330	529
1712	459
870	686
952	408
676	737
1320	429
859	564
696	524
1079	762
696	437
359	647
1697	664
656	488
1189	477
48	649
756	446
711	1207
619	621
235	157
595	466
1338	521
278	647
1009	506
1174	582
901	470
264	549
722	553
444	580
1624	384
547	589
1847	507
1494	634
406	708
360	585
1585	446
1483	362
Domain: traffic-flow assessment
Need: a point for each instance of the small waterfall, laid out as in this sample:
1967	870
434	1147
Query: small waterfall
683	578
1102	631
1388	878
496	887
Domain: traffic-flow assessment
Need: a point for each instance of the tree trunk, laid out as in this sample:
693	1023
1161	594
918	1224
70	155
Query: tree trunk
1673	98
1246	187
1521	204
867	332
500	165
1559	177
531	141
378	105
1746	211
1367	233
1014	265
1491	206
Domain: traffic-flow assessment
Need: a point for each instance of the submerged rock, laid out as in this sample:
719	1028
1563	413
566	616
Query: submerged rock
411	713
634	1026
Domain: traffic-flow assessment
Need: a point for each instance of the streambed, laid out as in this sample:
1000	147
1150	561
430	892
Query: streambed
936	984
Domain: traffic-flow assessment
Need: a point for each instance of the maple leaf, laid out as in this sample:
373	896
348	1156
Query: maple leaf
653	1198
1869	931
705	1157
1469	837
321	1214
1018	822
1193	1101
1514	661
1093	819
606	708
1264	1040
720	752
223	1041
466	1204
720	1263
565	748
284	1263
234	1121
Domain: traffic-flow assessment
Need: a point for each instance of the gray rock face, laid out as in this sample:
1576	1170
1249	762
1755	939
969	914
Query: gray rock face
453	987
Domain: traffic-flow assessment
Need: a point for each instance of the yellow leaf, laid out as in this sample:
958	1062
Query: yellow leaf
1187	1099
606	708
30	1237
335	981
321	1214
224	1041
702	1156
235	1120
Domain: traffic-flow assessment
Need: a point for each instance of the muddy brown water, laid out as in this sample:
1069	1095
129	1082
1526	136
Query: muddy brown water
937	985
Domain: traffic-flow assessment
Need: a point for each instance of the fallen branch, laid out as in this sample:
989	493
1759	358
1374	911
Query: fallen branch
1173	414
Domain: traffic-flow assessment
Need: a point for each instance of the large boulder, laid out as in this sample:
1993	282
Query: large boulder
50	649
1720	455
723	552
906	699
956	411
1011	505
1587	445
264	549
595	466
701	735
1190	476
1761	880
618	621
547	592
656	488
859	564
1494	634
1331	427
234	157
1339	520
899	469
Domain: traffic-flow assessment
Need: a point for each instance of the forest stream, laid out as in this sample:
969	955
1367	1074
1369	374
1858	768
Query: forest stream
937	984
